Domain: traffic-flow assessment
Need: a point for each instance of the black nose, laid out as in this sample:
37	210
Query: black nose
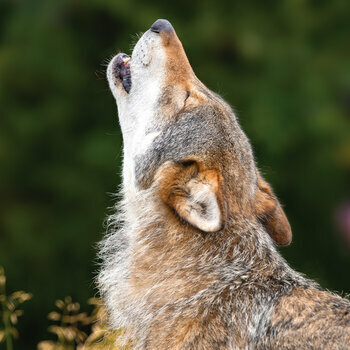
161	25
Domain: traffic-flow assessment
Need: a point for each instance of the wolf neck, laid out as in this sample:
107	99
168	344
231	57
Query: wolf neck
141	275
196	261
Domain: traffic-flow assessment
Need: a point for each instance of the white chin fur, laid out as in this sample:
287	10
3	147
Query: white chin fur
137	111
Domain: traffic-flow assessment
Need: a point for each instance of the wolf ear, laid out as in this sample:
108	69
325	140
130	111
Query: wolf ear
271	214
195	195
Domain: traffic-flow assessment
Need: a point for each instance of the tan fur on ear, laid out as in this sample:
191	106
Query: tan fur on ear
271	214
194	194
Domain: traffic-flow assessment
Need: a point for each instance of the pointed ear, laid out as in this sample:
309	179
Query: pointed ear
194	194
271	214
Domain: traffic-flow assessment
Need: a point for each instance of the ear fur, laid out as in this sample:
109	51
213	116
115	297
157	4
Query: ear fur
194	194
271	214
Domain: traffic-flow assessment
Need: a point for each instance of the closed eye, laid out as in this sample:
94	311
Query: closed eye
187	95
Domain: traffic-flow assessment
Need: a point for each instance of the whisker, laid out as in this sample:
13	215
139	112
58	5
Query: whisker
107	60
100	74
134	39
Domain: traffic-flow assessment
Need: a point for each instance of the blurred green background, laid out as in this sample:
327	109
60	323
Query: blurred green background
283	65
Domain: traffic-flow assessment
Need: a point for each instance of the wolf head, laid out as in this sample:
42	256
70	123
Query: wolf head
184	142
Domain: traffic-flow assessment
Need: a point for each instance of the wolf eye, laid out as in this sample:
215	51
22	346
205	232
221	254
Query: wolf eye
187	95
188	163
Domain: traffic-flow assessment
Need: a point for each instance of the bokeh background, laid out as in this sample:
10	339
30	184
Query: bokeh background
283	65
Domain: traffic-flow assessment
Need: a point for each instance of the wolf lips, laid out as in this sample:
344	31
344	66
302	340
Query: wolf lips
122	70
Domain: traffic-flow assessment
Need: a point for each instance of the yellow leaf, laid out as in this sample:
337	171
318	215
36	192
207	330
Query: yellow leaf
2	280
47	345
54	316
13	318
60	304
2	336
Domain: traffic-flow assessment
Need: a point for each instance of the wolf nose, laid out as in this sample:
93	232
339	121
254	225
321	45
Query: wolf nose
161	25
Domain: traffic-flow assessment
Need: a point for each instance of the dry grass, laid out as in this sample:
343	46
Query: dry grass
9	311
73	329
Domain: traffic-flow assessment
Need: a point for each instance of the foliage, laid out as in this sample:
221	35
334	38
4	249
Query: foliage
67	330
71	324
70	333
9	311
284	66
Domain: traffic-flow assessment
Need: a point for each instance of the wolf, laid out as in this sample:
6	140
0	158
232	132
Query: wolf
190	257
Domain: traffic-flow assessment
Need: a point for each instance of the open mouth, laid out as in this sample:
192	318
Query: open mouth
121	70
